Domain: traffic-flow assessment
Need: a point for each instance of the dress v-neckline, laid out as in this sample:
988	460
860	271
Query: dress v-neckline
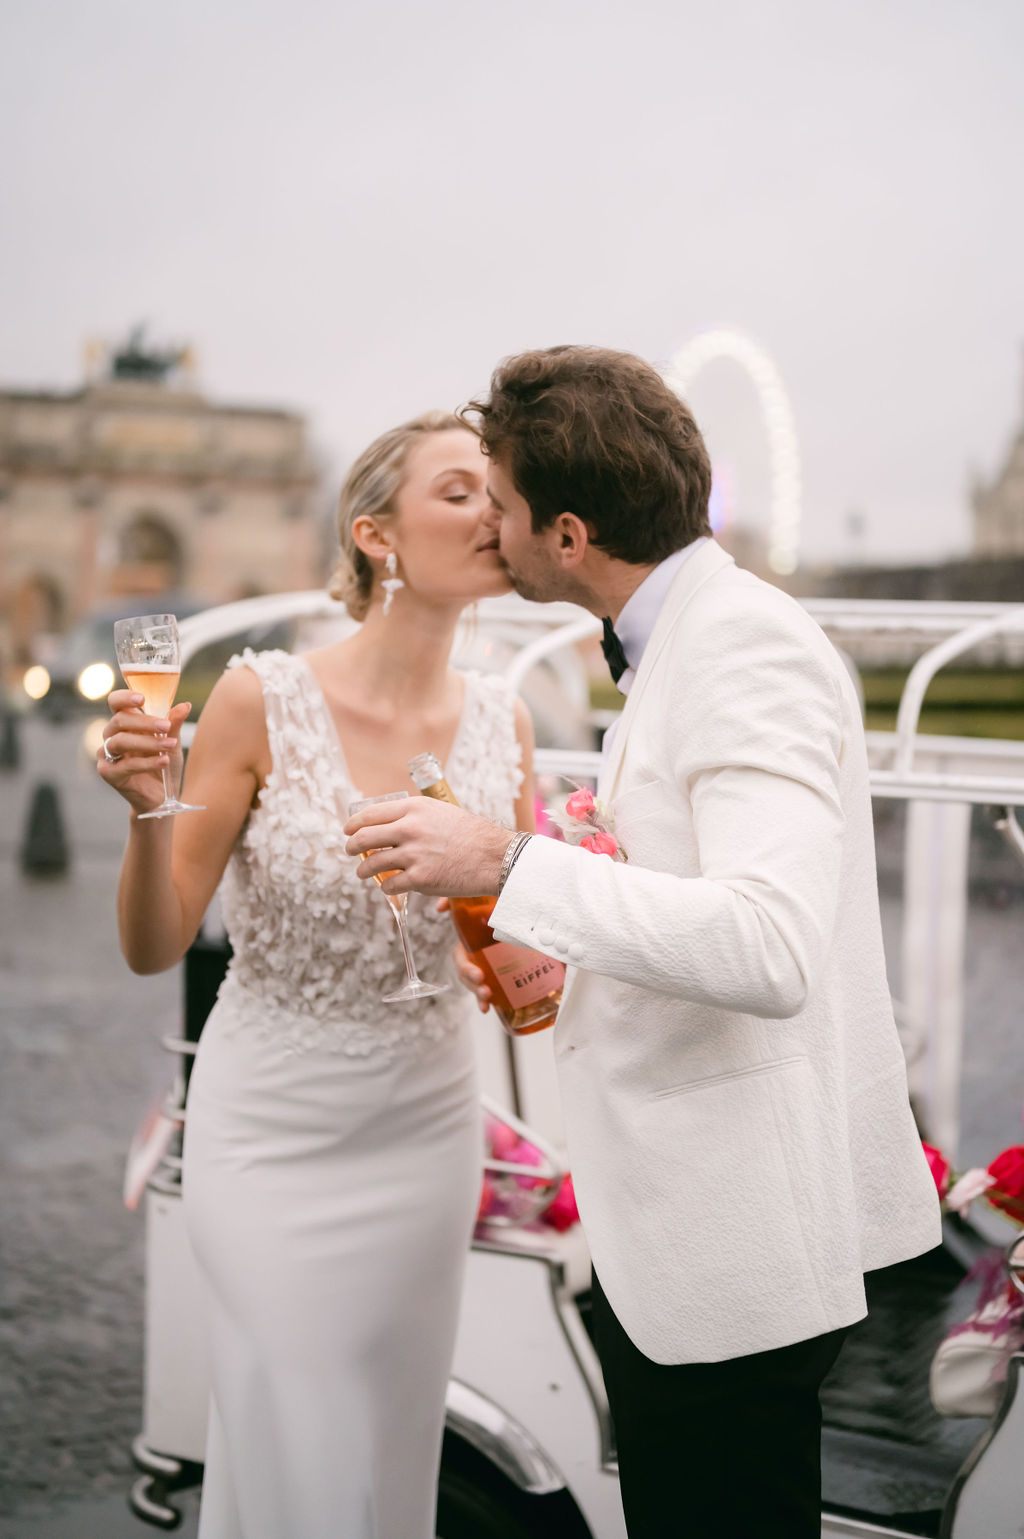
341	757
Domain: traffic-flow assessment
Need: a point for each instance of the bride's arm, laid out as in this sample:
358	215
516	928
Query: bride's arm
172	866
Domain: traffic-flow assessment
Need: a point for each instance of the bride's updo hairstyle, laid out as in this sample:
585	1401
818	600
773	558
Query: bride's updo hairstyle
371	488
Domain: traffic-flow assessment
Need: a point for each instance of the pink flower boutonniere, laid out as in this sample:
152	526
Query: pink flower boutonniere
586	823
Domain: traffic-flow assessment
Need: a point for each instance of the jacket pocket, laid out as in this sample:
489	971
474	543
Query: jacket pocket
734	1162
648	800
725	1079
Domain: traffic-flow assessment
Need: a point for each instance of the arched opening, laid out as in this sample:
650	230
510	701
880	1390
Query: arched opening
150	558
37	615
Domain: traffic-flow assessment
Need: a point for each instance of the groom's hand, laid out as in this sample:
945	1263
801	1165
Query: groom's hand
428	846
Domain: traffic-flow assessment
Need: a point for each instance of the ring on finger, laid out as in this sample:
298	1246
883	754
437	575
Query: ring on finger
111	758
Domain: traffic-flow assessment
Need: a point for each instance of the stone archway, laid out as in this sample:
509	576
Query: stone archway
39	611
150	556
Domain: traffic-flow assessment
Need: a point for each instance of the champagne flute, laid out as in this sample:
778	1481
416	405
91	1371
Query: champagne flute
149	656
414	986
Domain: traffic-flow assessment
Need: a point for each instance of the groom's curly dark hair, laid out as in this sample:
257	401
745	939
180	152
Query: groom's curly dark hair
600	434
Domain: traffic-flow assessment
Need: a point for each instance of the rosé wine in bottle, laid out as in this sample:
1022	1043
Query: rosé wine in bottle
525	985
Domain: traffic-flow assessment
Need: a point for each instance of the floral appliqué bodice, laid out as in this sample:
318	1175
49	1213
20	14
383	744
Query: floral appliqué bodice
315	947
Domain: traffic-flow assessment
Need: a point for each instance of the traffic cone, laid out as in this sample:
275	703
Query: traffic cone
44	851
10	741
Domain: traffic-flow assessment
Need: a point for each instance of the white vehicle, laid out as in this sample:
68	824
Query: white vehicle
529	1447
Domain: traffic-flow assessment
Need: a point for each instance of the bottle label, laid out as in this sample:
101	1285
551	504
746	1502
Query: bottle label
526	976
441	791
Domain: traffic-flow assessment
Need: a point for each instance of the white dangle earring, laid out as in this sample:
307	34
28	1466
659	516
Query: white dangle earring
392	582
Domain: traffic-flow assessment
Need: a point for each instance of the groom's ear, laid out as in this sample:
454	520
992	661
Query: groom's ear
571	539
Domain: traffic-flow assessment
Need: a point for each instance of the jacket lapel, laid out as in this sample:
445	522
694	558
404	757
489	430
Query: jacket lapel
693	574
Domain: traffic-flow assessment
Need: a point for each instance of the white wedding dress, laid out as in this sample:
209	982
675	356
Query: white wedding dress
333	1150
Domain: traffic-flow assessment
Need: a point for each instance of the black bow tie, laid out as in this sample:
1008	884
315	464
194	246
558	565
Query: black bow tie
614	656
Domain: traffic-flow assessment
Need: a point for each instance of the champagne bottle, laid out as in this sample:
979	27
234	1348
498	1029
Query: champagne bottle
526	986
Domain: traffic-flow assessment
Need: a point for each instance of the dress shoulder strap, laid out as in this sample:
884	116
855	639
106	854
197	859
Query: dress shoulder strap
288	703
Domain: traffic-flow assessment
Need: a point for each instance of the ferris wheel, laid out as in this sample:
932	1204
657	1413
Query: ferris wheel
779	422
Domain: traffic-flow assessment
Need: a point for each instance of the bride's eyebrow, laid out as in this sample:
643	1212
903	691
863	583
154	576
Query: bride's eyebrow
456	470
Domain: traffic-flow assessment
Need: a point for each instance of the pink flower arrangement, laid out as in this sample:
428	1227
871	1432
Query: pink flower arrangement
561	1212
516	1197
1001	1183
585	823
543	820
998	1310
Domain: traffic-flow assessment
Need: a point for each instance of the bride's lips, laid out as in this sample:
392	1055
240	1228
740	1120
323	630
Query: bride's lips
489	544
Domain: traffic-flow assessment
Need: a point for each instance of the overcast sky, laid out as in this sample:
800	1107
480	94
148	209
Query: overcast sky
357	210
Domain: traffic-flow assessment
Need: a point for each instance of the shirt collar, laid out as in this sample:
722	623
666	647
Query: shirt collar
640	613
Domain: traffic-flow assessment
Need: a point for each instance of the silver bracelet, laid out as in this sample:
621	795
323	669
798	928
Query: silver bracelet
512	854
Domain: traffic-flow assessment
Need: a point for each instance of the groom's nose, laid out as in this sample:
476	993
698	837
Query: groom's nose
491	517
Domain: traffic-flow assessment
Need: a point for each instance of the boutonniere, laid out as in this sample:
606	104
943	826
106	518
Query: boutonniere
587	823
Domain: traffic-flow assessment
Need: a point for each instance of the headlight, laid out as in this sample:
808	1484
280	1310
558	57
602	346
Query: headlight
96	681
36	682
92	737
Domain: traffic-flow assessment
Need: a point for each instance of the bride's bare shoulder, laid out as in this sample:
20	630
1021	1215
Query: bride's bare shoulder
235	707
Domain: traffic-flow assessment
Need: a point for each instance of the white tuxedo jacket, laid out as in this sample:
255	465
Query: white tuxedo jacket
733	1088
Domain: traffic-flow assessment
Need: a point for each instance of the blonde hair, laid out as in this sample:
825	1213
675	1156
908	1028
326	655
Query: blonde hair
370	489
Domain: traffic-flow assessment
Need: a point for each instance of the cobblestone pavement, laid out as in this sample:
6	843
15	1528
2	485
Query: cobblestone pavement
79	1048
80	1063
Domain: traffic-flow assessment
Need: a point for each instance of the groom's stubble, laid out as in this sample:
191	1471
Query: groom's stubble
530	563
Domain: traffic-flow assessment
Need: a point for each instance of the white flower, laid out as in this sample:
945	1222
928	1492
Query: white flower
972	1184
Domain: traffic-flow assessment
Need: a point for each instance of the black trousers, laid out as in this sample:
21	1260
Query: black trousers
726	1450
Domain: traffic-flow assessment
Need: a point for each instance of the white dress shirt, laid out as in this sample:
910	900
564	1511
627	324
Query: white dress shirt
639	616
637	620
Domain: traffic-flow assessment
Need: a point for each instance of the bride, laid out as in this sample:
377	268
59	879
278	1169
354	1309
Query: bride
332	1148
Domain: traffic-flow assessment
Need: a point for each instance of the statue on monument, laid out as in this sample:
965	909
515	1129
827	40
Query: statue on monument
134	359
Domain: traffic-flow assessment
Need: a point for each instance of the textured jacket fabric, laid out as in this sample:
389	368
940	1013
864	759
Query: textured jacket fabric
733	1088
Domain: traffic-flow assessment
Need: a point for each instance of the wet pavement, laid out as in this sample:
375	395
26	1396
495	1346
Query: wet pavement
80	1063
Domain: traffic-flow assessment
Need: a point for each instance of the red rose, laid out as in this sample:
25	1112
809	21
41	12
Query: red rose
939	1167
600	844
1007	1171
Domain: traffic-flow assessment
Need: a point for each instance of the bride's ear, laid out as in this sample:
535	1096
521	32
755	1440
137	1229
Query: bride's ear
369	538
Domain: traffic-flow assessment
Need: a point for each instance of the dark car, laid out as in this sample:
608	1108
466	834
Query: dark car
85	669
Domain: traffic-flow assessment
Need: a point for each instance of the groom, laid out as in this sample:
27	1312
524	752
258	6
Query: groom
733	1087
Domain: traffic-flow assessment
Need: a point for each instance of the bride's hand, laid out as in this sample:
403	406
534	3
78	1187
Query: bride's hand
139	747
470	976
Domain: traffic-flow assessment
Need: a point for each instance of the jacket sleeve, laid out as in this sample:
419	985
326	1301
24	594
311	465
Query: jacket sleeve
755	740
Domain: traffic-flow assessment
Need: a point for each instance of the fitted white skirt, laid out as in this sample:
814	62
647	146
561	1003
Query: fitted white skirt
330	1202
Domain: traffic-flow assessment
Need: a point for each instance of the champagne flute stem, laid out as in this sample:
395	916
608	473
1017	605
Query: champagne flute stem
410	965
165	744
